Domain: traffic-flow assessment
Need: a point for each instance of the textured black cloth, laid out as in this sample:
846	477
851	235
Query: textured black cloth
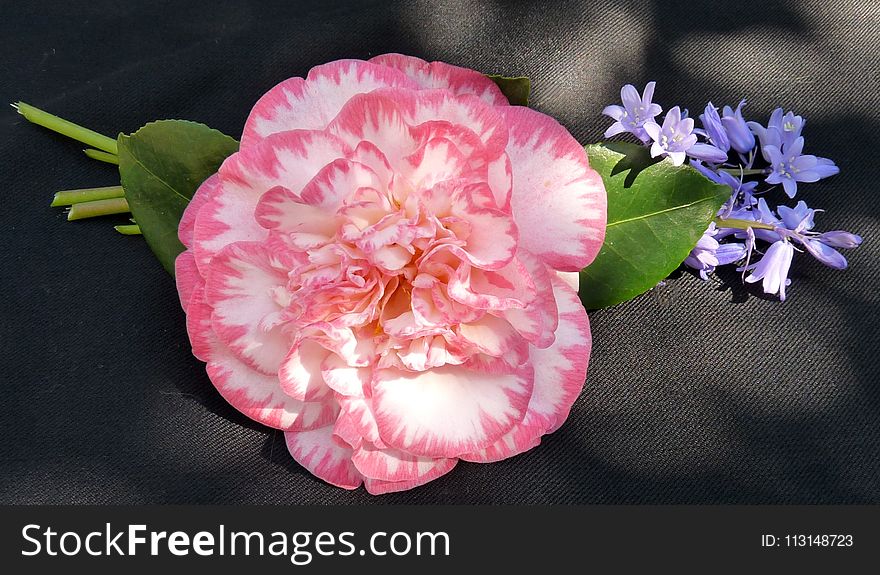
697	392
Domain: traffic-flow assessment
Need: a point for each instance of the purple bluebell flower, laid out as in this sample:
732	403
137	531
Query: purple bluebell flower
709	253
741	138
782	130
674	138
713	128
772	270
789	166
825	253
790	126
702	257
798	218
797	224
631	117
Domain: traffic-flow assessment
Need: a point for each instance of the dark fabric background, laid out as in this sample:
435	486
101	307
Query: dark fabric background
697	392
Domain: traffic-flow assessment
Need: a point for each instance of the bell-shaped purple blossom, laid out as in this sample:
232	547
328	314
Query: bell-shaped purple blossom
825	253
773	268
798	218
797	223
713	128
709	253
636	110
674	138
741	138
750	218
782	130
789	166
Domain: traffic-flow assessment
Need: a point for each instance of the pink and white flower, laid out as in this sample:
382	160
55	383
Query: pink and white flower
386	271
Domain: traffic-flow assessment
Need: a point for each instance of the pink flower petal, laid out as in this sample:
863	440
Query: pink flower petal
188	221
379	487
394	465
464	111
438	160
187	276
505	288
353	346
325	456
441	75
279	209
343	378
560	371
450	410
288	159
492	238
224	218
500	180
523	437
300	373
336	181
558	200
490	335
242	280
356	422
536	322
258	396
312	103
379	118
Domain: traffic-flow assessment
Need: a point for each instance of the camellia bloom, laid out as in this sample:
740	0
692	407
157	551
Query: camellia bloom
385	271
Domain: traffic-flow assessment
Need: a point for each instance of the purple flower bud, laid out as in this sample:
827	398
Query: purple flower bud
773	268
741	138
707	153
840	239
712	125
825	254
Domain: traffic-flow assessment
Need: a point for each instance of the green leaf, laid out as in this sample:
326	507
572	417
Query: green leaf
161	166
656	214
516	89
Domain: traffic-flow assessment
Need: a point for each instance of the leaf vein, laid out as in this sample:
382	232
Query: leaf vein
659	212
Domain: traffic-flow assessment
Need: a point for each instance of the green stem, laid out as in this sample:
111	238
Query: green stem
128	230
751	172
102	156
742	224
66	128
70	197
98	208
